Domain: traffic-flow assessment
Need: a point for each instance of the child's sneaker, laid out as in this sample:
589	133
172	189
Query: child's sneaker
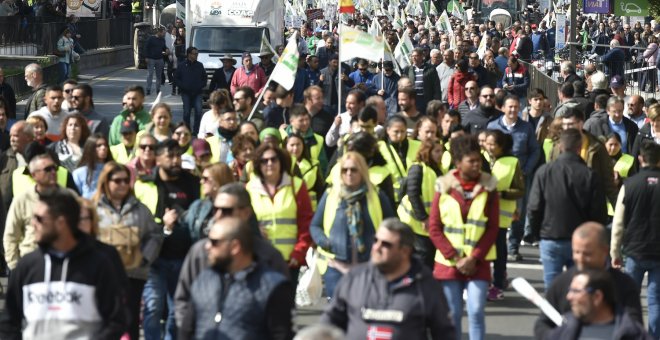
494	294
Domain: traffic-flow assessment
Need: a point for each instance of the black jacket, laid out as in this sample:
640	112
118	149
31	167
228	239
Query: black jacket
477	120
363	297
525	49
220	81
625	288
644	135
565	193
91	285
191	77
431	81
10	97
414	190
641	215
154	47
625	328
600	126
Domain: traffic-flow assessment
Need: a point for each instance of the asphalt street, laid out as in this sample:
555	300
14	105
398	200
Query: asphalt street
512	318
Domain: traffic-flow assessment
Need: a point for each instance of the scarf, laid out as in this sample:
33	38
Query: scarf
227	134
354	213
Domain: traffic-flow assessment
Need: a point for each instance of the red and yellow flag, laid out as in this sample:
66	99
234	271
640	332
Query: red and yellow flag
346	6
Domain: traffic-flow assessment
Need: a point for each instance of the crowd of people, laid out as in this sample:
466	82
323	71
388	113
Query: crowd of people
411	185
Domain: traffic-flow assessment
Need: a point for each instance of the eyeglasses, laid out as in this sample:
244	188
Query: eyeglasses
487	96
50	168
226	211
216	241
383	243
347	170
76	97
147	146
265	161
122	180
230	119
362	69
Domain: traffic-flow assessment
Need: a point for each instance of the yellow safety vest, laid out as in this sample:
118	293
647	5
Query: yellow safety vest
395	164
548	144
377	174
214	142
20	182
314	150
120	155
622	166
504	169
277	215
308	171
445	160
331	204
147	193
463	236
405	210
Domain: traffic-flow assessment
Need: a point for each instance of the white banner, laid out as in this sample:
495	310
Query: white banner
287	66
359	44
560	38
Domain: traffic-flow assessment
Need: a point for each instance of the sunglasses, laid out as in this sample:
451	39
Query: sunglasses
147	146
67	91
383	243
225	210
216	241
347	170
488	96
50	168
122	180
76	97
265	161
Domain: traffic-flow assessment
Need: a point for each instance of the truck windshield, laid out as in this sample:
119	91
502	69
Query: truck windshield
228	39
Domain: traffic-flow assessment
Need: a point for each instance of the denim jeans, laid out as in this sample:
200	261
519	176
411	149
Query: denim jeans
159	290
330	280
476	303
499	265
65	70
555	254
520	228
154	65
192	101
636	269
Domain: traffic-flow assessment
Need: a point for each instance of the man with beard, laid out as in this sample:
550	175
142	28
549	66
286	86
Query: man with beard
220	142
133	110
52	112
83	103
237	297
244	100
167	193
34	77
477	120
67	288
379	296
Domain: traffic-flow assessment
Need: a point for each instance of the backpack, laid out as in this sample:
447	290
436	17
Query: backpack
127	242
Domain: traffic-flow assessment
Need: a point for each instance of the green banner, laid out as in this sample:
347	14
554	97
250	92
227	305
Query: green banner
631	8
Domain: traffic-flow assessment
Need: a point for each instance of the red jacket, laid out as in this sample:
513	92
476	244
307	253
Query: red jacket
455	186
256	79
456	88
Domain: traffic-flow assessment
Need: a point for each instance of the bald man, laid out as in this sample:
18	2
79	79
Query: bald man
590	244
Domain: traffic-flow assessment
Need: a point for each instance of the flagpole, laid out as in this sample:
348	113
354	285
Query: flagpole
382	73
256	103
339	85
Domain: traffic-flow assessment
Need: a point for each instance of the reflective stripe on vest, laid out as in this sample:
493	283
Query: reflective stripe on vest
21	182
331	204
463	236
377	174
504	169
624	164
120	155
548	144
277	215
147	193
309	175
405	210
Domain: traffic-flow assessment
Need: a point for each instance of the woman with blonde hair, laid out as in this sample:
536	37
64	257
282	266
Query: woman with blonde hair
345	222
40	129
127	224
145	161
199	216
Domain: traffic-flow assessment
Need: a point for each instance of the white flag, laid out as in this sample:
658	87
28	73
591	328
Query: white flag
481	51
375	29
444	24
359	44
263	10
287	66
403	50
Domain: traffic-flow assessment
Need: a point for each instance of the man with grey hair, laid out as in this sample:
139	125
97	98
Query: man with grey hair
436	57
599	84
320	332
233	201
567	70
614	122
614	60
34	77
377	296
424	78
445	71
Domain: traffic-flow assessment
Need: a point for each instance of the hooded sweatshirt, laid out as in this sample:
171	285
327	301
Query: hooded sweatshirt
65	296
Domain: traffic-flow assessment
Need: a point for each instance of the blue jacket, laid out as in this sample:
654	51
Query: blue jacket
199	211
191	77
339	242
391	91
300	84
275	115
540	42
313	76
614	61
86	189
525	146
154	47
367	79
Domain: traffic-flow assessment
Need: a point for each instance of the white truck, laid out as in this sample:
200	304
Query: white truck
224	27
